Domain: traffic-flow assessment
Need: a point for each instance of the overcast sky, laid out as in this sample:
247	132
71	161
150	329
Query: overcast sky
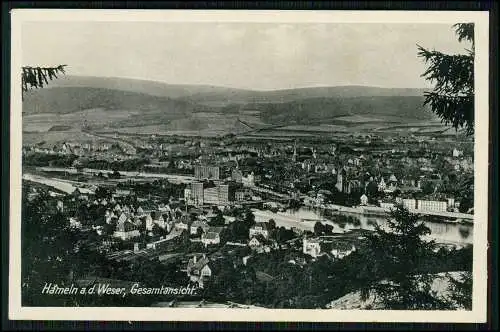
261	56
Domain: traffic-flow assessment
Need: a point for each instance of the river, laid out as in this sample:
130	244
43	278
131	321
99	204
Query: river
304	218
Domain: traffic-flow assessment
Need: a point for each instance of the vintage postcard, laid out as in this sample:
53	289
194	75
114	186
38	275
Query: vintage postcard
317	166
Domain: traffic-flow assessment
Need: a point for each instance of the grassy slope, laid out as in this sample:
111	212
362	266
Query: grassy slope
133	105
287	95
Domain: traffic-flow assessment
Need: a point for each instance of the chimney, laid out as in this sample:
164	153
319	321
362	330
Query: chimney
194	259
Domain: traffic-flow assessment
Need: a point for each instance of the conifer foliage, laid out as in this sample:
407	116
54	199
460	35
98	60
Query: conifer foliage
396	252
452	98
38	77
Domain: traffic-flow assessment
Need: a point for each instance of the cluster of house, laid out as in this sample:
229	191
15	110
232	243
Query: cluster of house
386	185
199	270
352	173
129	220
68	148
325	245
200	267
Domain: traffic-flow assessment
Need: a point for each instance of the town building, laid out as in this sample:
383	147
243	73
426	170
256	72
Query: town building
342	184
237	175
249	180
382	185
438	206
211	236
203	172
260	228
220	194
342	249
409	203
223	194
457	153
74	222
311	247
197	193
198	270
126	230
260	244
188	198
386	205
148	220
211	195
198	224
158	219
364	199
239	196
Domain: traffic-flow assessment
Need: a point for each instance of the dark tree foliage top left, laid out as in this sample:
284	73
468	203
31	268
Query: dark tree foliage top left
38	77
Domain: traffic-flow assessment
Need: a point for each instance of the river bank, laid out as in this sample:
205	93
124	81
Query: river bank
304	219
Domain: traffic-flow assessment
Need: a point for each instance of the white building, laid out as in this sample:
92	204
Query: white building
187	196
198	270
198	224
386	205
149	223
382	186
108	215
254	243
74	222
212	236
432	205
126	231
364	199
311	247
451	202
341	250
140	211
249	180
409	203
457	153
259	228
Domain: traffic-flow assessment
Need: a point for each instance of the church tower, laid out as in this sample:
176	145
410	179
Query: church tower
342	184
340	180
294	158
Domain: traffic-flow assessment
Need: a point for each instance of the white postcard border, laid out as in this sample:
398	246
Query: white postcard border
480	290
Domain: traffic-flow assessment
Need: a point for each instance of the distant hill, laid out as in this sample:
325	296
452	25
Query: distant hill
326	110
116	103
221	96
75	99
215	98
153	88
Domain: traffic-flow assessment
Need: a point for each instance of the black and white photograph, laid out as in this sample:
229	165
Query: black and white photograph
209	166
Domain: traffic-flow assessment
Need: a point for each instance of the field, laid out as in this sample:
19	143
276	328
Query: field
52	137
115	105
92	118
